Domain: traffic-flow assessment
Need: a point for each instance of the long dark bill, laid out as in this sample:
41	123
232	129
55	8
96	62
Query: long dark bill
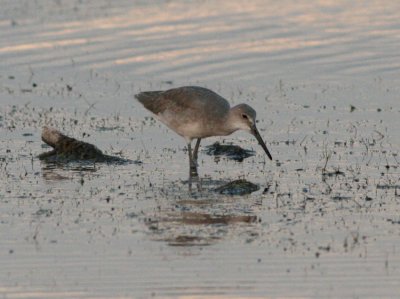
260	141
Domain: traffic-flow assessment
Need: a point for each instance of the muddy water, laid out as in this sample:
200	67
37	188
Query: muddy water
323	77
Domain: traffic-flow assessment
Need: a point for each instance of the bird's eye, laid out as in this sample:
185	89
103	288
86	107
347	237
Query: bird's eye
244	116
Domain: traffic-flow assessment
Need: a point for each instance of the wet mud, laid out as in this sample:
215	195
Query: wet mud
67	149
320	221
237	187
230	151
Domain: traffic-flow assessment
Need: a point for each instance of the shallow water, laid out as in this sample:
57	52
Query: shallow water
323	77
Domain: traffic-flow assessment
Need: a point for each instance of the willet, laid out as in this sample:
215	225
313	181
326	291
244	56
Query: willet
196	112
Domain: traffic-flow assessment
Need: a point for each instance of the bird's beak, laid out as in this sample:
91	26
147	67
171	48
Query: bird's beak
254	131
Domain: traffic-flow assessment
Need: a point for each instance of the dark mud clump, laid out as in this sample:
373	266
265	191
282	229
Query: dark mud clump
238	187
66	149
233	152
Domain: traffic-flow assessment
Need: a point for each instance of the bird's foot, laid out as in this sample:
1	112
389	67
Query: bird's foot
193	172
193	169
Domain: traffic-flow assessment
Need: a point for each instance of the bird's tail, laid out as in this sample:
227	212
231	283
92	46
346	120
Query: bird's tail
151	100
147	96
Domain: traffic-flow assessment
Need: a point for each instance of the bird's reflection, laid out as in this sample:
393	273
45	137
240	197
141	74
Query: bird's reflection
185	226
202	216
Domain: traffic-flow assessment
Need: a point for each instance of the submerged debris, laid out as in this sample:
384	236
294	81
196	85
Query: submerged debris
341	197
238	187
233	152
334	173
69	149
387	186
184	240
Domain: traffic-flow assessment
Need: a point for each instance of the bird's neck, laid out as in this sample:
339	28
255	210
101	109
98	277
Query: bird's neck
229	124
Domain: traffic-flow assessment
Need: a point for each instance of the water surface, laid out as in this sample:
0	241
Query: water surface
323	76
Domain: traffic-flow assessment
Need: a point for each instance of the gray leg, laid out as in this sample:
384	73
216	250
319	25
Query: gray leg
189	146
196	149
194	179
192	162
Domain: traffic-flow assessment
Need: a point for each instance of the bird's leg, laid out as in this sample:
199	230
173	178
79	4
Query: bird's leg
196	149
194	179
189	146
193	174
192	163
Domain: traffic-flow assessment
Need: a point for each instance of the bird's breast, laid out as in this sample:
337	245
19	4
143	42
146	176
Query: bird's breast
190	125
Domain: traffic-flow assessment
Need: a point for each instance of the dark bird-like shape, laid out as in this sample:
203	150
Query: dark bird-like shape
196	112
